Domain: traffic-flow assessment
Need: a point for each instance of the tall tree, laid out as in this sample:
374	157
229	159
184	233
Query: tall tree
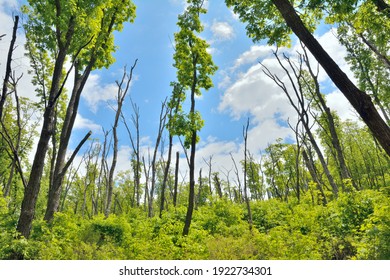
95	54
194	66
81	30
174	105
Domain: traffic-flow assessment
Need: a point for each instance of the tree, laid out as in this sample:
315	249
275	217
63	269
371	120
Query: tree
277	18
194	66
80	30
174	105
302	107
246	197
8	69
361	32
123	89
162	122
98	54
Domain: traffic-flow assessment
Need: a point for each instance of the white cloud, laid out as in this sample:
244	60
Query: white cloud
20	63
253	92
249	91
338	102
95	93
83	123
222	31
253	55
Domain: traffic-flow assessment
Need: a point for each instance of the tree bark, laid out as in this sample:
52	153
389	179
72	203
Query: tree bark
176	180
191	196
248	205
358	99
163	115
34	183
310	166
166	174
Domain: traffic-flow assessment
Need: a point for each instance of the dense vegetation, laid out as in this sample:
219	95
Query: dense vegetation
325	195
355	226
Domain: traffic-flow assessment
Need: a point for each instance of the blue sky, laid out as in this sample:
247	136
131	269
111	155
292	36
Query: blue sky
241	90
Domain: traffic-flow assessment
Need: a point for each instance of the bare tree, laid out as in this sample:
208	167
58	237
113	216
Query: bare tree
8	69
163	117
300	107
176	179
246	197
136	150
123	88
209	164
360	100
239	195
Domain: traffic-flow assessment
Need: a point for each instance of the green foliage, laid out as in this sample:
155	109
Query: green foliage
355	226
263	20
222	217
195	67
83	27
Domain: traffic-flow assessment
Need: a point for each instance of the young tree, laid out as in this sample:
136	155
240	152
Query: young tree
194	66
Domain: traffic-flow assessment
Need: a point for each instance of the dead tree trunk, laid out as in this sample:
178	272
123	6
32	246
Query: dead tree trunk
163	116
123	88
301	108
246	197
344	172
176	180
8	68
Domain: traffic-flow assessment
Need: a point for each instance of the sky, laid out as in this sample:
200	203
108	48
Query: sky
241	89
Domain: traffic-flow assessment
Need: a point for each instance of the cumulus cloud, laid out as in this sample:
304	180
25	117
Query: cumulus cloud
95	92
248	91
254	54
84	123
222	31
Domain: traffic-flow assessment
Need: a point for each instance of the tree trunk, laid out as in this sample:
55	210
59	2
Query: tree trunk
34	183
310	166
166	174
8	69
248	205
358	99
163	115
344	172
191	195
123	88
176	180
55	188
